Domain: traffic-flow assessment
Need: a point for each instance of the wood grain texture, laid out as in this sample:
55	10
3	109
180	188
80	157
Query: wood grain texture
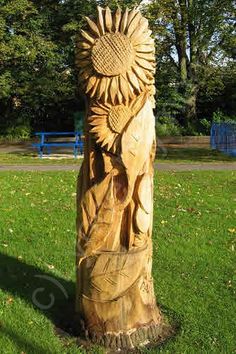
115	300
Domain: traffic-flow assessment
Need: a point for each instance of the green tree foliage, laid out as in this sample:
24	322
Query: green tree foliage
195	50
193	37
36	60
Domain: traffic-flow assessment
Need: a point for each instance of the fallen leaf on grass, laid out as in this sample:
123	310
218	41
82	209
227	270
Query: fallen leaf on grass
50	266
232	231
9	301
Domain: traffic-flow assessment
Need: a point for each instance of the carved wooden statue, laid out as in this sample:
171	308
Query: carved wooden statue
115	299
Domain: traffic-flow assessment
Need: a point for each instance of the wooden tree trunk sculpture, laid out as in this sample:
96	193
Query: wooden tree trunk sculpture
115	299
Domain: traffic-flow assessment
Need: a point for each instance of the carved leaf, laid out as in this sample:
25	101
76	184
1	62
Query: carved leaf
143	220
144	193
137	140
101	224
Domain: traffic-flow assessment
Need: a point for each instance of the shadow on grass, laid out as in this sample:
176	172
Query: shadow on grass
22	343
54	297
47	292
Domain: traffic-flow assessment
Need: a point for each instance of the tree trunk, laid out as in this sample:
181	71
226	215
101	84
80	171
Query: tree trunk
115	300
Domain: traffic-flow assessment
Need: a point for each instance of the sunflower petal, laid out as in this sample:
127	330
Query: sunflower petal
143	38
140	73
86	36
103	106
117	18
91	83
144	63
96	122
119	97
108	19
83	54
131	91
106	92
124	89
132	26
124	21
102	134
95	129
85	73
101	20
133	80
138	103
142	30
113	89
83	45
146	56
82	62
144	48
102	87
94	89
131	15
93	27
109	140
97	110
95	118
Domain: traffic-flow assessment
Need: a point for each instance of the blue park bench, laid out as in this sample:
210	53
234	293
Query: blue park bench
223	138
47	142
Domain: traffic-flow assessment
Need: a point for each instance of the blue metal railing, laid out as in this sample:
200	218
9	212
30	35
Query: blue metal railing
223	138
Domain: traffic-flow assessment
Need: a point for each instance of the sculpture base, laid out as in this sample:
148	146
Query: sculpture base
149	336
70	328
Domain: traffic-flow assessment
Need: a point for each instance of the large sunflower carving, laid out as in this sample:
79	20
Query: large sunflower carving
116	56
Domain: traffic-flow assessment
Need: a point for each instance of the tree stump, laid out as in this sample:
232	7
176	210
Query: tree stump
115	301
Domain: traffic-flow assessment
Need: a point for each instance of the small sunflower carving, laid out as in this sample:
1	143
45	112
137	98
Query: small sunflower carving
116	56
108	122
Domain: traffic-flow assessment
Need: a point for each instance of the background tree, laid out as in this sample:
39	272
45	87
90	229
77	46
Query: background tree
191	37
195	44
37	85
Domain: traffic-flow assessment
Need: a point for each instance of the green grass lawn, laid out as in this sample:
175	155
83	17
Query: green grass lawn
186	155
193	265
33	159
